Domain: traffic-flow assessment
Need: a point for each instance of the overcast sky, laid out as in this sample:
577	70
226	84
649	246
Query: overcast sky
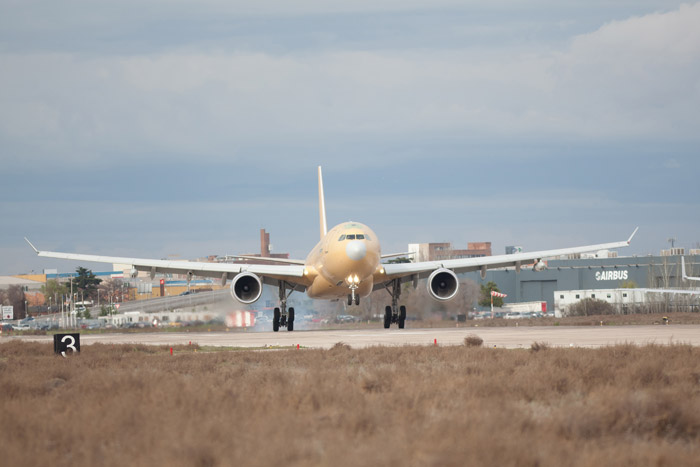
153	128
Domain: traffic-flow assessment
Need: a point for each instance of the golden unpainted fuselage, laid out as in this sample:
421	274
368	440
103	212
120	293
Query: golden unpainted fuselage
348	255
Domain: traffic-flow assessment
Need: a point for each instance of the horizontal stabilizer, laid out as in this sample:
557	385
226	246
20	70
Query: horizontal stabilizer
394	255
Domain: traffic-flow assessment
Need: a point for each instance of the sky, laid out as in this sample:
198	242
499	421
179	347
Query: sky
178	129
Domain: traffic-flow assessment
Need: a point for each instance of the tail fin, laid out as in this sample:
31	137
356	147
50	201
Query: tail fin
321	204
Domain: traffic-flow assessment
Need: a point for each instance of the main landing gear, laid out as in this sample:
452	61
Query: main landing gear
282	316
395	313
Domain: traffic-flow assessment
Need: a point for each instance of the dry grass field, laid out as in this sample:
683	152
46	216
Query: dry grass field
435	406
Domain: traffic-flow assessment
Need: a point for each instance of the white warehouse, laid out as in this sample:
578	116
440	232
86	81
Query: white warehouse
631	300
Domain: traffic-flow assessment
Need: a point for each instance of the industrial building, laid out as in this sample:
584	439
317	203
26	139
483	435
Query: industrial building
590	274
626	301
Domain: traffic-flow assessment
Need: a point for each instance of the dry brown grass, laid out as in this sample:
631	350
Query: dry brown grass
137	405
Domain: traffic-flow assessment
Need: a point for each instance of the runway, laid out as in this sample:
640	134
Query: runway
506	337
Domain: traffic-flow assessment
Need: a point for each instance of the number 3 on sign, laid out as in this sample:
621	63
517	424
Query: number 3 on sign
62	343
68	346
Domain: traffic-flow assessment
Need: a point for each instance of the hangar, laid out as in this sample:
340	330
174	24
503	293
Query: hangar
590	274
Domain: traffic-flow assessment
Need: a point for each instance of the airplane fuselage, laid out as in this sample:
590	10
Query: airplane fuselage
347	256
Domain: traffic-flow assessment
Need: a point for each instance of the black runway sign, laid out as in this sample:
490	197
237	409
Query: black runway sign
65	343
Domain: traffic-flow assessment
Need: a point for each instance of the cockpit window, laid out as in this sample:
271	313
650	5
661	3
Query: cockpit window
353	237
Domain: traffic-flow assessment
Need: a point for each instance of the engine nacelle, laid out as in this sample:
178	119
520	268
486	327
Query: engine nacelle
443	284
246	288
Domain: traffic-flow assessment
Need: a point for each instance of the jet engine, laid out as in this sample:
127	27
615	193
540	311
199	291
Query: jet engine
246	287
443	284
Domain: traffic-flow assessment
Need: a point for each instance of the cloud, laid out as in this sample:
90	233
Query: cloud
637	78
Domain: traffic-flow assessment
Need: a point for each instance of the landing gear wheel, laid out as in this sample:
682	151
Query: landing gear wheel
387	317
290	320
349	299
276	320
402	316
357	300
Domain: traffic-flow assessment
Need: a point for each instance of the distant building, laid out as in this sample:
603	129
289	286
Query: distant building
443	251
265	252
23	281
591	255
631	300
648	272
673	252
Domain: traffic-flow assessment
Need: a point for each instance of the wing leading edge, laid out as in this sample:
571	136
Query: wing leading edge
270	273
424	269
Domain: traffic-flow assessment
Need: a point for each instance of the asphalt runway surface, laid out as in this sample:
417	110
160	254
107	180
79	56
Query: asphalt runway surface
503	337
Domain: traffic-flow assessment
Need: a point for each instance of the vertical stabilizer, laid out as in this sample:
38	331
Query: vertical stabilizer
321	204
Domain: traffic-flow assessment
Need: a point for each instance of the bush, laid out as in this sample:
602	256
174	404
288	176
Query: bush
537	346
590	307
473	340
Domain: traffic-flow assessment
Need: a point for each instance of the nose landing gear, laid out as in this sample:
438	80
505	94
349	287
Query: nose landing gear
354	285
353	297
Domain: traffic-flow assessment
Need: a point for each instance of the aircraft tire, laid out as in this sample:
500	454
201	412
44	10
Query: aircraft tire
290	319
402	316
387	317
276	320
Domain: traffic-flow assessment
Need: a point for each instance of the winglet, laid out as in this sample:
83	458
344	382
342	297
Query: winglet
321	204
629	240
30	244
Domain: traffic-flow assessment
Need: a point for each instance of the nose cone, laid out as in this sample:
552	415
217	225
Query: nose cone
356	250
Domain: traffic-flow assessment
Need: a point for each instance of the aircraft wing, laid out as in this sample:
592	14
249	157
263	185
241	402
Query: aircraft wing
424	269
269	273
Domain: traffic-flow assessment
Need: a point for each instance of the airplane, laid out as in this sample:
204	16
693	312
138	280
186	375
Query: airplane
685	276
345	263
